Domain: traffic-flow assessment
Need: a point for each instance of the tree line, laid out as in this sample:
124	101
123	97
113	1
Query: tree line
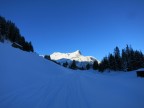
125	60
9	31
73	64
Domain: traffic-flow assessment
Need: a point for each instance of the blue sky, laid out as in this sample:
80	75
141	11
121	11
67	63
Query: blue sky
94	27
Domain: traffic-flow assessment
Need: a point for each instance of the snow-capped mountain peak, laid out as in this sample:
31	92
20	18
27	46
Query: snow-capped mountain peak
59	55
81	61
77	53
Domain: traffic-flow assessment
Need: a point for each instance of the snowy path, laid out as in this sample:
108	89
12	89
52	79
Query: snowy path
74	90
32	82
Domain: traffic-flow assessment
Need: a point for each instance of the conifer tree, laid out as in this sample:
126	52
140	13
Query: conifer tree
65	64
112	63
104	64
47	57
9	31
73	65
128	60
88	66
118	60
124	60
95	65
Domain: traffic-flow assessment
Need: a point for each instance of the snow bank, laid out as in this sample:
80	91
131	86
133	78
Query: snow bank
29	81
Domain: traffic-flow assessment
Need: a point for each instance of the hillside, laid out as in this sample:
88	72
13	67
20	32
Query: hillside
67	59
9	31
29	81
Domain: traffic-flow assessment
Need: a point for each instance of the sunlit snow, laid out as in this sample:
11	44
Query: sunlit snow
30	81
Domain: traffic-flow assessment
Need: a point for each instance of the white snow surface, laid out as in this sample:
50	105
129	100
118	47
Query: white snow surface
29	81
82	61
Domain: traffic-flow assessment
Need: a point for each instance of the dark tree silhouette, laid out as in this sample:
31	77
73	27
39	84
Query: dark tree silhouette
118	60
128	60
65	64
95	65
9	31
88	66
73	65
47	57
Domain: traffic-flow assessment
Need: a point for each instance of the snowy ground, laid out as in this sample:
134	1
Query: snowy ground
29	81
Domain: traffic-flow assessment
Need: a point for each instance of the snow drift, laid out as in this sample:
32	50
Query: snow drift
29	81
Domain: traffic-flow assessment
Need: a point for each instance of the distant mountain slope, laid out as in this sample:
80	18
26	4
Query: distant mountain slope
29	81
81	61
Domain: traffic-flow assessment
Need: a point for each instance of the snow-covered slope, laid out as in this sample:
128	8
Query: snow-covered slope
81	61
29	81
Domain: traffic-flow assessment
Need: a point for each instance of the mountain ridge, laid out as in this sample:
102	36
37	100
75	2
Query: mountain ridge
81	60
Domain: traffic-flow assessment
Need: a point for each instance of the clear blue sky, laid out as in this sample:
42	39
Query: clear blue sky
93	26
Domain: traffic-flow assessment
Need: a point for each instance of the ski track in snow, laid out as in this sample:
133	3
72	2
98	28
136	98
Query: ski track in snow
33	82
67	93
74	90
